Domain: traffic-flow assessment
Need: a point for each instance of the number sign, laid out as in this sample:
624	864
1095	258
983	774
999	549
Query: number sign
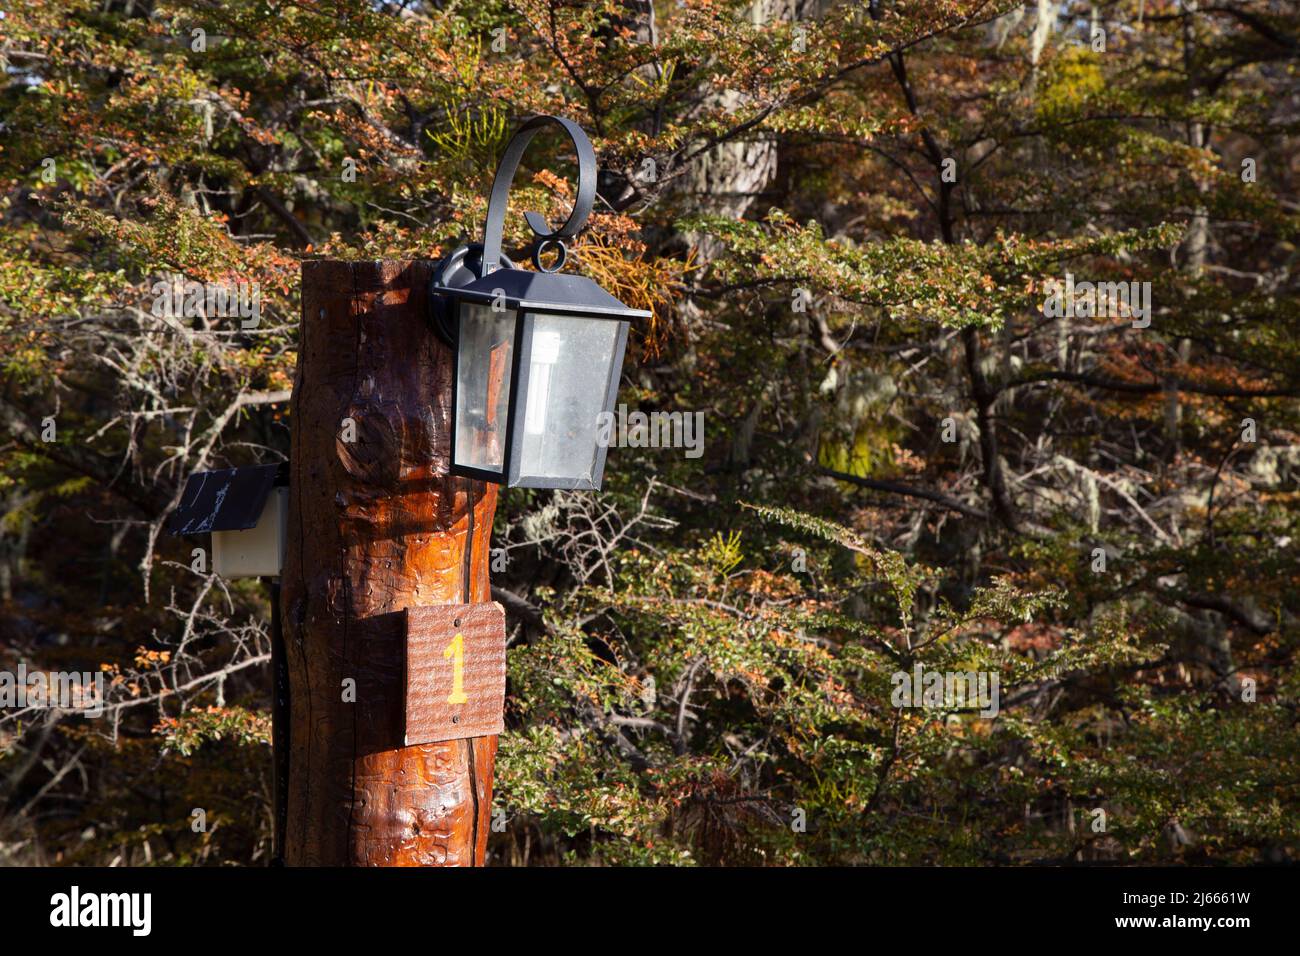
455	672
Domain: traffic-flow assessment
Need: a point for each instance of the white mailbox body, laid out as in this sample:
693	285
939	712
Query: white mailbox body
259	551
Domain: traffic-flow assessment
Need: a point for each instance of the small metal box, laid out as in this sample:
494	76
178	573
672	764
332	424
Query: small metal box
259	551
245	510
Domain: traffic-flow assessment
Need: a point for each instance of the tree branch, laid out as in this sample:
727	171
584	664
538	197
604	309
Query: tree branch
1148	388
895	488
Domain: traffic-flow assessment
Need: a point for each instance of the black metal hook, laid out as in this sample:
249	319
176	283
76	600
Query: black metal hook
582	203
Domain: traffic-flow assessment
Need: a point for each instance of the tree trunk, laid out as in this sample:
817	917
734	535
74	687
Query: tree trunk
376	525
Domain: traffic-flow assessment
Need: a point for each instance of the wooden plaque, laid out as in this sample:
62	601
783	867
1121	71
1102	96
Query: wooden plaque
455	672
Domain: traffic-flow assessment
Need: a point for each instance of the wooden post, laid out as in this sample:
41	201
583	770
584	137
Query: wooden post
376	525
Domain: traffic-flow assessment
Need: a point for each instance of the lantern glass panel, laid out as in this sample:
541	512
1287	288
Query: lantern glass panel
483	361
569	366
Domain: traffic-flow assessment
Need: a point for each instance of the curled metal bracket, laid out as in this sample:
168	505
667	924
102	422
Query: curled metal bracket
582	203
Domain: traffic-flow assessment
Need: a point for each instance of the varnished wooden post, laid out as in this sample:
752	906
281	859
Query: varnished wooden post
376	525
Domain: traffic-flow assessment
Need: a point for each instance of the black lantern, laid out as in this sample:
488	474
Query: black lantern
538	354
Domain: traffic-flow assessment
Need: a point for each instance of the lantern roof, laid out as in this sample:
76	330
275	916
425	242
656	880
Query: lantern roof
552	292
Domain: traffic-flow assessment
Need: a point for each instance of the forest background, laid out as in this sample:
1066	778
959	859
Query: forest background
852	222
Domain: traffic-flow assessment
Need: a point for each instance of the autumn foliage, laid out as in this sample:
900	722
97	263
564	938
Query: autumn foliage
847	220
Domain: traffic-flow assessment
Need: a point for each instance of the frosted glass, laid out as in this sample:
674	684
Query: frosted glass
483	385
568	372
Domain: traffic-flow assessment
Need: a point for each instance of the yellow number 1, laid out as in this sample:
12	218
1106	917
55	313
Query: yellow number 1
456	650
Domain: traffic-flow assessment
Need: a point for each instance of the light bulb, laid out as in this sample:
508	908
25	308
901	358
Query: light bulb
546	352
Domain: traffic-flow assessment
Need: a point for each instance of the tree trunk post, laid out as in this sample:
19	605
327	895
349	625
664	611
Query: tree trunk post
376	525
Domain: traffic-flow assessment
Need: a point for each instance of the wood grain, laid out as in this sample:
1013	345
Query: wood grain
376	526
